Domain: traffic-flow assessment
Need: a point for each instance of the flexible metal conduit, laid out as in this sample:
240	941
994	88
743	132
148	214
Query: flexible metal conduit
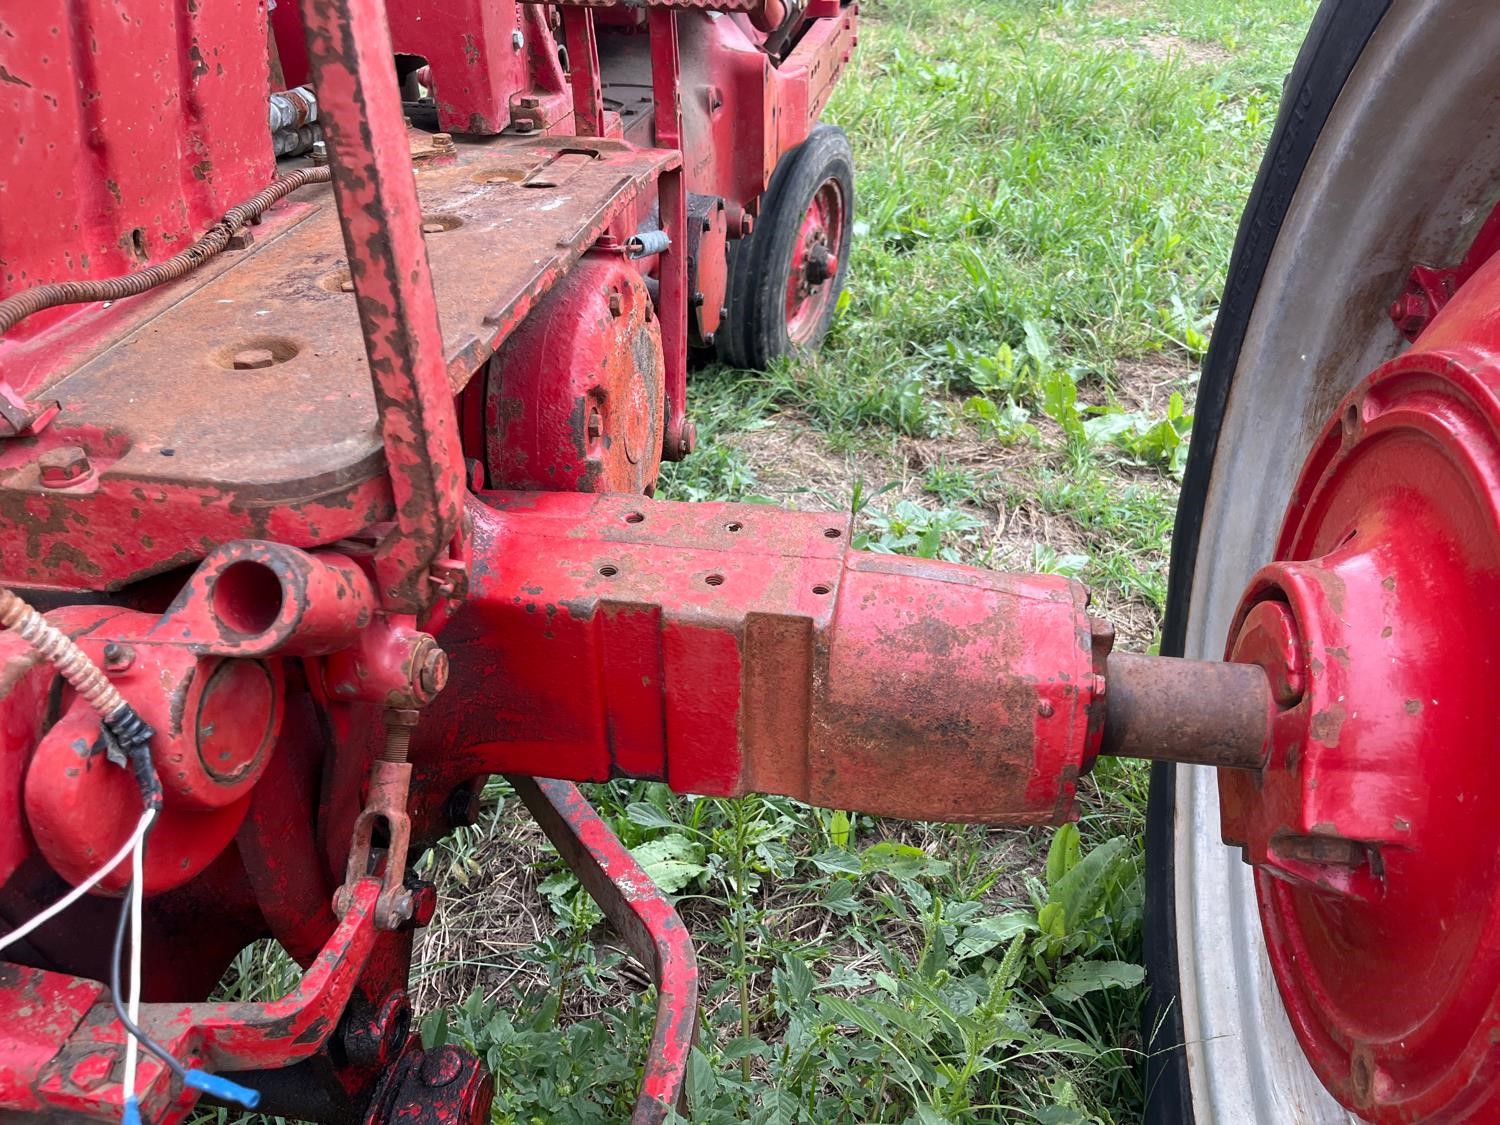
17	308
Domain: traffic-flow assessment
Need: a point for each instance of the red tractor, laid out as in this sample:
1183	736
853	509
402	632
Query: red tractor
340	348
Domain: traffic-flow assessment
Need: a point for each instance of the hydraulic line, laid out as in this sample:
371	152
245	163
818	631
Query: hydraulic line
17	308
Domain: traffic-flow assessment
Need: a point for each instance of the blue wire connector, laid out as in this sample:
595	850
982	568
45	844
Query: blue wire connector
222	1088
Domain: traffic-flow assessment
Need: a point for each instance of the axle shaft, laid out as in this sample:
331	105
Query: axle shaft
1198	711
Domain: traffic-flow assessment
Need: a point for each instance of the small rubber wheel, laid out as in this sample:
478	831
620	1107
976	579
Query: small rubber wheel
1372	168
785	278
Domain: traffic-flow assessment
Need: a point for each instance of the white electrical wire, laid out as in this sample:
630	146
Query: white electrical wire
137	897
130	846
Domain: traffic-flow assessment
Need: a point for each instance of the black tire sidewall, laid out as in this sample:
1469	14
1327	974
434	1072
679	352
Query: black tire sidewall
754	333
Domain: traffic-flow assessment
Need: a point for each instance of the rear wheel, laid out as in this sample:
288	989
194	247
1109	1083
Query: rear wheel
785	278
1372	169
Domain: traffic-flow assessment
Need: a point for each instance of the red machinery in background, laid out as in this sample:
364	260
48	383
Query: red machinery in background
325	492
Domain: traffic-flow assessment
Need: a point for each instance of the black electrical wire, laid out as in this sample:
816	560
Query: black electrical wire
115	992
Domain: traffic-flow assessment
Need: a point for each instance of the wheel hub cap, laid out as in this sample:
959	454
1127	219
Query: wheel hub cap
1374	825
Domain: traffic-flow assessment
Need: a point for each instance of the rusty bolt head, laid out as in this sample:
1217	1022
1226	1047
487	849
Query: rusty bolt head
434	671
64	466
526	101
441	1066
253	359
517	40
240	240
442	140
524	127
596	424
432	226
616	303
118	657
747	225
708	339
320	152
347	285
689	438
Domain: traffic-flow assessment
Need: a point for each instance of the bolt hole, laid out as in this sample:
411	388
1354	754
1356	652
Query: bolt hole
247	598
609	571
1351	419
832	533
821	589
339	281
735	526
634	517
256	352
715	580
437	224
138	243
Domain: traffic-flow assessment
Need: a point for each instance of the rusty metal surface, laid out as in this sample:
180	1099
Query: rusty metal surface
1197	711
574	397
289	451
734	648
349	53
644	917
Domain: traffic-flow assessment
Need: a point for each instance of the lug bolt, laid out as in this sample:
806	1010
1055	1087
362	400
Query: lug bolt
64	466
253	359
616	304
526	101
442	140
596	424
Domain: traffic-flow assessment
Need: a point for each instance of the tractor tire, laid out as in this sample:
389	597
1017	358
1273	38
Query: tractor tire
786	276
1372	168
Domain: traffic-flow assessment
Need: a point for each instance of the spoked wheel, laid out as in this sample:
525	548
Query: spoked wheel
1352	964
785	279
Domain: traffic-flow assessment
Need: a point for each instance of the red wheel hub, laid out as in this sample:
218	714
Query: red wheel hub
816	254
1375	823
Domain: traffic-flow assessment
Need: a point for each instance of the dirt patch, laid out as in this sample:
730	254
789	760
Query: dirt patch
1193	52
1147	385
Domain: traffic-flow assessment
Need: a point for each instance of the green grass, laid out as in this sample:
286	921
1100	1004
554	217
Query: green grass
1048	194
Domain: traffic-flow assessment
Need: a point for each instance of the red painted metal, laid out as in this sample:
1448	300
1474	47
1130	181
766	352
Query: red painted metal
671	269
737	648
1429	288
349	53
155	170
583	71
189	452
816	253
1373	824
574	397
641	914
